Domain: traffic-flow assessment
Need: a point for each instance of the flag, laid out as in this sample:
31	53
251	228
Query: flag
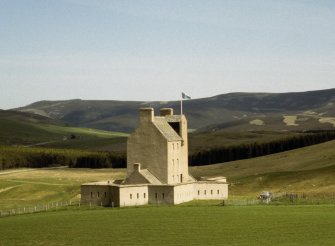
184	96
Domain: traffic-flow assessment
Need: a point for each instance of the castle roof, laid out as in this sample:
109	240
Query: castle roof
167	131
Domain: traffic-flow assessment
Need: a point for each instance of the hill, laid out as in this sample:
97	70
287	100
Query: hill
27	129
309	169
233	111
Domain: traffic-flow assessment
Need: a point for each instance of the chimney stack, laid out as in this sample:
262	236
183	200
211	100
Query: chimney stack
137	167
166	111
146	115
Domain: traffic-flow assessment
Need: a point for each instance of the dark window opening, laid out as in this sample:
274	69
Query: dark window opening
105	194
163	195
156	195
91	194
98	194
131	196
176	127
144	195
138	195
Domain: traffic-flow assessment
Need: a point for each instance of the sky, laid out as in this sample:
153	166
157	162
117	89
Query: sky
155	49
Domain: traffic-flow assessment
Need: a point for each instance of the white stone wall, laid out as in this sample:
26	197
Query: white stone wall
183	193
133	195
96	194
147	146
210	190
161	194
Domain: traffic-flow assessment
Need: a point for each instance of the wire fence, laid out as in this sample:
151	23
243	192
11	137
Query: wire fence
283	198
39	208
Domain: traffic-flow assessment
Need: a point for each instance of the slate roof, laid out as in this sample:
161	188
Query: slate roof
173	118
150	177
163	126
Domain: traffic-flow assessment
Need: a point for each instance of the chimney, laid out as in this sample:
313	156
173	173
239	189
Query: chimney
146	115
166	111
137	167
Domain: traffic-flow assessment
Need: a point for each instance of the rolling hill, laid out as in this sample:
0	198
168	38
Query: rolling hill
309	169
27	129
233	111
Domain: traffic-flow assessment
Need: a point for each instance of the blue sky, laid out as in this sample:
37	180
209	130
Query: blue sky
153	50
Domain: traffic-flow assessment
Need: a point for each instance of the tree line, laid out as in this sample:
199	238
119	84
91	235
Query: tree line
18	157
245	151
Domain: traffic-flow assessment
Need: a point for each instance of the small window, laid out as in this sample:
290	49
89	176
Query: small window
198	192
131	196
218	192
91	194
144	195
156	195
98	194
138	195
205	192
211	192
105	194
163	195
173	146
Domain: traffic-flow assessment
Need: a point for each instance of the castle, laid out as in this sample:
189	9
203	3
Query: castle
157	168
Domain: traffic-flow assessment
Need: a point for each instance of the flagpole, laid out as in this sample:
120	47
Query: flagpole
181	106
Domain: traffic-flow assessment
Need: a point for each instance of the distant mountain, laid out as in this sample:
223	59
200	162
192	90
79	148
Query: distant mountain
233	111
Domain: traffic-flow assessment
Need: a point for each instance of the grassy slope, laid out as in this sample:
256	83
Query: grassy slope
22	129
310	169
180	225
39	186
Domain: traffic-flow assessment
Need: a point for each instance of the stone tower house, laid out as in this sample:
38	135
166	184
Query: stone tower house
157	167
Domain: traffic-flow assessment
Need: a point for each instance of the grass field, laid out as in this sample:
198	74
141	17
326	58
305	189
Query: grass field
25	129
179	225
29	187
309	169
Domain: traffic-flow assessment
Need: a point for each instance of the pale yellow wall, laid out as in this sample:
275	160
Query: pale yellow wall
147	146
96	194
184	148
210	190
183	193
161	194
175	162
133	195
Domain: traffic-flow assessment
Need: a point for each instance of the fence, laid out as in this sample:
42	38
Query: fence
39	208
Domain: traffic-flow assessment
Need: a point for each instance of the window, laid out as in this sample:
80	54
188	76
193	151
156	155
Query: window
198	192
98	194
131	196
138	195
173	146
211	192
205	192
218	192
143	195
163	195
105	194
91	194
156	195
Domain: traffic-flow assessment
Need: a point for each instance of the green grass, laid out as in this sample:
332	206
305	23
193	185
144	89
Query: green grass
309	169
22	130
30	187
179	225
